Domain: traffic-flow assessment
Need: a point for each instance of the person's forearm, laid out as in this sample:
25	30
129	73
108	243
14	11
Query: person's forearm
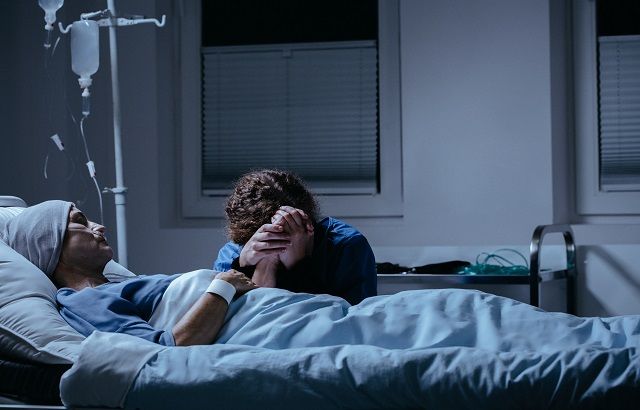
201	324
265	272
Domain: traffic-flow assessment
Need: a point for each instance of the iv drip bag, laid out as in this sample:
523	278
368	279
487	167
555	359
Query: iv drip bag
84	50
50	7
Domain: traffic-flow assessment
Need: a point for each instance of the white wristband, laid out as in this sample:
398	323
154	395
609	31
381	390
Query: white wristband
222	288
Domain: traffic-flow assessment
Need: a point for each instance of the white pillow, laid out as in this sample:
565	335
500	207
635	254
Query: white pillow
12	201
30	326
8	213
115	272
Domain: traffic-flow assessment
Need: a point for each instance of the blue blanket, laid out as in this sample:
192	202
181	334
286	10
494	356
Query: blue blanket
277	319
416	349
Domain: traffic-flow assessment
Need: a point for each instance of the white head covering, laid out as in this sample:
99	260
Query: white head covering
38	233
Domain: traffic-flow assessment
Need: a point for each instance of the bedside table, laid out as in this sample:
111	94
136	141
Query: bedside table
536	279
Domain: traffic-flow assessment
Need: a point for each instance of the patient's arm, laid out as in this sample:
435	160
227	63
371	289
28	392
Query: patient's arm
201	324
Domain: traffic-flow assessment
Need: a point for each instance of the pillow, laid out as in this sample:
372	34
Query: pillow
12	201
8	213
31	328
115	272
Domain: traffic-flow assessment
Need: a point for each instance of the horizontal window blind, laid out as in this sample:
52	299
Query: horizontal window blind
311	108
619	104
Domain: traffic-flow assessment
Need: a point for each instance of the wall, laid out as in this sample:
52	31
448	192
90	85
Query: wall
487	141
41	97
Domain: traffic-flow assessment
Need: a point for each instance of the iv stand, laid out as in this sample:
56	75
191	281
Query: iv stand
119	191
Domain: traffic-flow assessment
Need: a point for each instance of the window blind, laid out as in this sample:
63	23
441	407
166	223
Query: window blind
311	108
619	104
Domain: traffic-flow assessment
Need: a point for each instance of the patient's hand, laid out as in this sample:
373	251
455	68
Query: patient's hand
239	280
300	229
202	322
269	240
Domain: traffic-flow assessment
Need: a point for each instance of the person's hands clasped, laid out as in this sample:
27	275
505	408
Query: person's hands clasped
269	240
239	280
300	229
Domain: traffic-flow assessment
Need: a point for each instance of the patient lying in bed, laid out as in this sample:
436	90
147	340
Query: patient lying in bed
72	251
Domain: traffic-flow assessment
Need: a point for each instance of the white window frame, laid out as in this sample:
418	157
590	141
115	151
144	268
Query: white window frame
590	199
387	202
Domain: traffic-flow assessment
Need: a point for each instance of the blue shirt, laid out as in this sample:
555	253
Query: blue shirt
342	264
119	307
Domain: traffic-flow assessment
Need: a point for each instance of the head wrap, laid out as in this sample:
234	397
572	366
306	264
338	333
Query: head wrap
38	232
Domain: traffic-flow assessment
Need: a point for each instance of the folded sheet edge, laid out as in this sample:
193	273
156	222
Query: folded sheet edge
119	358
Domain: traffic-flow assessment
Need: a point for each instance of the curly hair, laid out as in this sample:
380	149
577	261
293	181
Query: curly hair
257	196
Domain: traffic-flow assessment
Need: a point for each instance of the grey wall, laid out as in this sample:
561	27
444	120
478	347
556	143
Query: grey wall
487	140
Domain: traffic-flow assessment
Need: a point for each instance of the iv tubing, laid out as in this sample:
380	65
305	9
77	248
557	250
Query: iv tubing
92	169
95	182
119	191
84	140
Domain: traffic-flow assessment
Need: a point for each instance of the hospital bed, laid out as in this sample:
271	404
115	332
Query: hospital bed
143	375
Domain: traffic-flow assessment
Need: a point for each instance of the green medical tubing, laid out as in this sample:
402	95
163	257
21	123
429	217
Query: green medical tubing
496	264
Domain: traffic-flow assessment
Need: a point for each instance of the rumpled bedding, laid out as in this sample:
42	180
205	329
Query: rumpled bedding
447	348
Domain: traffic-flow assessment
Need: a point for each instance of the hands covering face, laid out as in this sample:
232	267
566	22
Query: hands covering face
285	240
300	229
269	240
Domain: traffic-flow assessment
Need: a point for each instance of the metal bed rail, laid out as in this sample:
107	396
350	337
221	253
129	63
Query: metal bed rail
536	275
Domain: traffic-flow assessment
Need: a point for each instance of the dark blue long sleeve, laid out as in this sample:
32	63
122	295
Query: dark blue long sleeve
342	263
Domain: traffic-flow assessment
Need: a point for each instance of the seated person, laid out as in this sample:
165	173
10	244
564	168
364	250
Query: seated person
73	251
278	242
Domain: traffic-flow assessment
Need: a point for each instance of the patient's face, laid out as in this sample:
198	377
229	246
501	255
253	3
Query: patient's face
85	245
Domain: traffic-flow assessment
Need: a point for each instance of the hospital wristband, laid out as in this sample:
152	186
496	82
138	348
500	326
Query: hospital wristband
223	289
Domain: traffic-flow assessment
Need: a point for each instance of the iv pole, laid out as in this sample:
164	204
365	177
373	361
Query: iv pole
119	191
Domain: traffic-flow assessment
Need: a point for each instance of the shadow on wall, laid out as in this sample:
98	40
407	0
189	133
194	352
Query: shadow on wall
605	286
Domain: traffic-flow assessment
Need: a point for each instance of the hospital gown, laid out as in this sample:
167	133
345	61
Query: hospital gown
123	307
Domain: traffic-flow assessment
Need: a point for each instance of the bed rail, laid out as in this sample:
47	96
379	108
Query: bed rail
537	275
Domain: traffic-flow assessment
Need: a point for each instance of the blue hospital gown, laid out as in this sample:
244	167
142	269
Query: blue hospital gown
121	307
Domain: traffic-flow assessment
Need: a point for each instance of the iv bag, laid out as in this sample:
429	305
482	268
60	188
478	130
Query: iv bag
85	50
50	7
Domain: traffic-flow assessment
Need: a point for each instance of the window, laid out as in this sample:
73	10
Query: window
290	87
607	100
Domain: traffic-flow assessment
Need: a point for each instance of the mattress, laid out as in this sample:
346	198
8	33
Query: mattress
31	383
